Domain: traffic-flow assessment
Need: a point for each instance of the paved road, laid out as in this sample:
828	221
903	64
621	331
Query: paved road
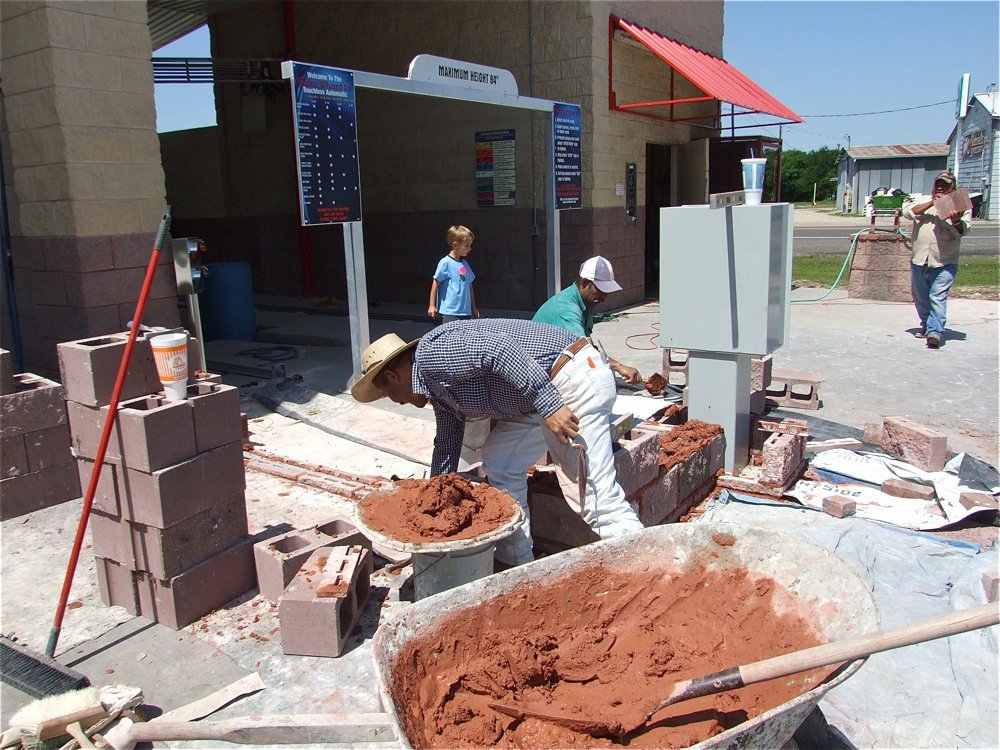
982	240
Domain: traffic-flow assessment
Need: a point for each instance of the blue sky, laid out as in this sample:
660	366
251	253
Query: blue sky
819	58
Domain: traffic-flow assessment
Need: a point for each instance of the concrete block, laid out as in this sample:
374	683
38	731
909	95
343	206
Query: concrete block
675	359
168	552
154	433
7	382
179	601
758	402
839	506
35	404
48	447
13	457
554	525
782	459
795	389
106	494
216	413
991	585
279	558
637	460
914	443
86	426
903	488
818	446
700	467
35	490
116	585
658	499
343	533
323	602
167	496
89	368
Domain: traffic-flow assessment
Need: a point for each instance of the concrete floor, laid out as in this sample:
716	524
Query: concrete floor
871	367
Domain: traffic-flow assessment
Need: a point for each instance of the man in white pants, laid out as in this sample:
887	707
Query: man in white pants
545	388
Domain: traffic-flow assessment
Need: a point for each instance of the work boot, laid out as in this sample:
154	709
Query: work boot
922	333
933	341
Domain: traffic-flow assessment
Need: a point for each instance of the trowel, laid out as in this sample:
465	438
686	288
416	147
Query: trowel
734	678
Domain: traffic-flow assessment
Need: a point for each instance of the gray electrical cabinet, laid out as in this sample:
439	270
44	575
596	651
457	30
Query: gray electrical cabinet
725	279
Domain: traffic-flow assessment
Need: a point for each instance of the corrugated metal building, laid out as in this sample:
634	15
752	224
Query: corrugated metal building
863	169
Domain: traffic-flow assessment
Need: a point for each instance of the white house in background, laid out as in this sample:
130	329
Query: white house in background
973	154
862	170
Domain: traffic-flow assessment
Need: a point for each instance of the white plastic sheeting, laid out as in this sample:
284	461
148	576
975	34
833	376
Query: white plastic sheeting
942	693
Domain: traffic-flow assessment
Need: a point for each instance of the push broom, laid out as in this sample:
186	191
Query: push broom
31	673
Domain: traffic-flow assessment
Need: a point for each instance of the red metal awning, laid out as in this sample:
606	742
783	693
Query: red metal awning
714	76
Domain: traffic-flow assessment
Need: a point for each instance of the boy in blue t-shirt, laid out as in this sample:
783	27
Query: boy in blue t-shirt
451	289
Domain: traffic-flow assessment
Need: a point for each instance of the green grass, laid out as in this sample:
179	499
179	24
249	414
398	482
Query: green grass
822	270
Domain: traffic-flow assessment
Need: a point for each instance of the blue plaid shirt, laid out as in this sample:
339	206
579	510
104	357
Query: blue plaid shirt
487	367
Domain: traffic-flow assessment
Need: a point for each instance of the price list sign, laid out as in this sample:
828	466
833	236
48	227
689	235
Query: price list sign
326	136
496	177
566	122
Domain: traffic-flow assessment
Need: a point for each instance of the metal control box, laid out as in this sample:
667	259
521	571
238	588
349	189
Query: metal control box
725	278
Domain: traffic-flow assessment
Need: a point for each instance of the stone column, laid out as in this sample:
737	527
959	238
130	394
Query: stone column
85	184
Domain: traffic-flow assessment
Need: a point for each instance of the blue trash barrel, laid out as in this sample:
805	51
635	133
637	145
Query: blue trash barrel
226	303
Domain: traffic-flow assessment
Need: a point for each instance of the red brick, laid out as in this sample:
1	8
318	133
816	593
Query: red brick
177	602
27	493
914	443
873	433
217	417
991	585
982	500
48	447
13	457
36	403
839	506
170	495
903	488
316	625
116	584
155	433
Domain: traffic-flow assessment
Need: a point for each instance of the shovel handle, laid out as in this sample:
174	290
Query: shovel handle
278	729
834	653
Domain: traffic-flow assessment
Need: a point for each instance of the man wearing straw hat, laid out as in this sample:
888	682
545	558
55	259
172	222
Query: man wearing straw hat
544	388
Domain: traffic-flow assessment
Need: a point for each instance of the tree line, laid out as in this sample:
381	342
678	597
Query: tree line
800	170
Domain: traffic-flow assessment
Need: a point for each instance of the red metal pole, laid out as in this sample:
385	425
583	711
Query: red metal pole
102	446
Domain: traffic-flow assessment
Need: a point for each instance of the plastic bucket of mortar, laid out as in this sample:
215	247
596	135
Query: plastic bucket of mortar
819	582
435	572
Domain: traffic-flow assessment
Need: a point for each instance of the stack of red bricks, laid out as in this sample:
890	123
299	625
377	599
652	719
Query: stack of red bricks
37	468
168	521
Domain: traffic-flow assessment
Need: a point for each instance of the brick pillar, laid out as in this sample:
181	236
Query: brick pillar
880	268
85	183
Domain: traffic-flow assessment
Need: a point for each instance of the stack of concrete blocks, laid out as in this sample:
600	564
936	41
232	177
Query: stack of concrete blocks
880	268
319	608
36	465
658	495
279	558
168	521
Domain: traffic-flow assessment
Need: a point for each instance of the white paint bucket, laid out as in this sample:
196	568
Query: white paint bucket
434	572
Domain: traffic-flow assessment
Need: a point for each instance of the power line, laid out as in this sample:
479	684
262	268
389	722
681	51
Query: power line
885	111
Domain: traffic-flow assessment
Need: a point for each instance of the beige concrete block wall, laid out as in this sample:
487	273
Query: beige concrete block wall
88	187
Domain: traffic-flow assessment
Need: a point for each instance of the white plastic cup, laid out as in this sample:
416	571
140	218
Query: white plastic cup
170	350
753	179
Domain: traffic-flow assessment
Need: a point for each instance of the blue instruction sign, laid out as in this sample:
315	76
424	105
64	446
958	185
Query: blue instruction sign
568	183
326	142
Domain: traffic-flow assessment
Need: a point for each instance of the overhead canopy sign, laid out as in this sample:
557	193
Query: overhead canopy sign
434	69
